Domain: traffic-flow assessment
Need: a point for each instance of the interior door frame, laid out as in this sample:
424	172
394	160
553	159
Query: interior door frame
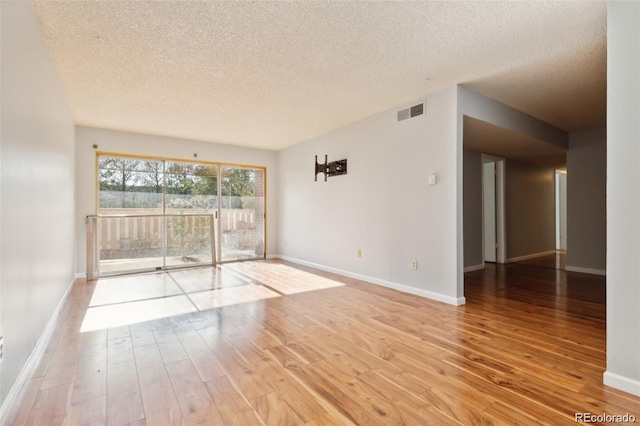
561	209
501	249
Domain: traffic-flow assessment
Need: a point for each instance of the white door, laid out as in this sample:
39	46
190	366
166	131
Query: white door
489	210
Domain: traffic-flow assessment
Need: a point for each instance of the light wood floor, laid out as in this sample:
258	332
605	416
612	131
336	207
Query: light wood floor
317	349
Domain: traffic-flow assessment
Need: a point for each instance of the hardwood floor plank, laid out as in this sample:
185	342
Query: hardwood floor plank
405	380
124	407
304	351
286	357
288	388
370	404
51	406
341	360
419	409
233	407
507	414
330	419
170	346
334	396
274	411
141	334
457	409
141	422
91	377
124	402
119	333
158	397
201	356
226	328
246	376
64	363
91	411
198	407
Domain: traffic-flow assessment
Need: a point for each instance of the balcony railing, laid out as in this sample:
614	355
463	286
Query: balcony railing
143	242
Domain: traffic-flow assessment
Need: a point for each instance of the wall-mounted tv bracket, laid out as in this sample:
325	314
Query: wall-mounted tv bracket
334	168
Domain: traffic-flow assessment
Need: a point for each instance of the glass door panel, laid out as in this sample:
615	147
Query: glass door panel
128	244
242	213
129	186
190	189
189	240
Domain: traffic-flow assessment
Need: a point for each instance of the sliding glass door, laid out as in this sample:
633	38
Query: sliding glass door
155	213
242	213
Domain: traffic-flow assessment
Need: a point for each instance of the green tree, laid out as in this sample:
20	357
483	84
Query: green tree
207	180
180	178
238	185
153	176
119	175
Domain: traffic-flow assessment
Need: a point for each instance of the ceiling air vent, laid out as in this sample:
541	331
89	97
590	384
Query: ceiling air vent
411	112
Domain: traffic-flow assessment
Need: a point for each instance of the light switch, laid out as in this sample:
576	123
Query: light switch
433	179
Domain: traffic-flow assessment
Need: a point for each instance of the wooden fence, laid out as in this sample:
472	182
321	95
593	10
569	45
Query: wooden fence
146	232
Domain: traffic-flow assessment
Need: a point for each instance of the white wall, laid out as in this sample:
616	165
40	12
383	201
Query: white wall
587	201
37	197
383	206
472	206
529	209
482	108
148	145
623	196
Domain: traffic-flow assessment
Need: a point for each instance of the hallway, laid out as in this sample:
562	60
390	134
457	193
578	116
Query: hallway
540	282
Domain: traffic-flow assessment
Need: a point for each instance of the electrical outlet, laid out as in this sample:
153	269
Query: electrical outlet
414	265
359	253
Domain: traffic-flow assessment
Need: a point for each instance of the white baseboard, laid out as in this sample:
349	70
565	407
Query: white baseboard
530	256
622	383
15	393
474	268
396	286
81	275
585	270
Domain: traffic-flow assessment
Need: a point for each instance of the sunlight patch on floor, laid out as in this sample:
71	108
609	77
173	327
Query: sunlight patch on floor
131	299
285	279
133	287
309	283
101	317
201	279
231	296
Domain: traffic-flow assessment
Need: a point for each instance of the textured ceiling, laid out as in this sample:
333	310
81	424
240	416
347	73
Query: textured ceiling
270	74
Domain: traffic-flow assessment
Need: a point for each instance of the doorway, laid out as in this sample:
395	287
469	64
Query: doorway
493	217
